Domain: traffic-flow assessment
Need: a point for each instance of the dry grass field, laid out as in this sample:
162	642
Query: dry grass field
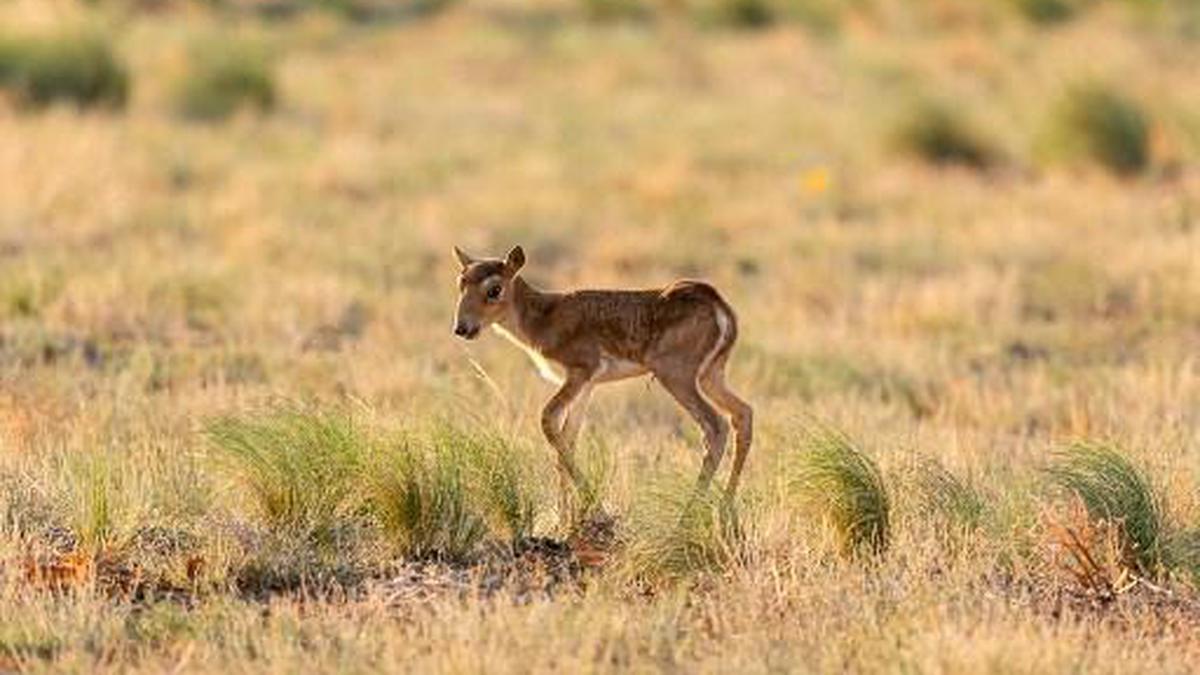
237	435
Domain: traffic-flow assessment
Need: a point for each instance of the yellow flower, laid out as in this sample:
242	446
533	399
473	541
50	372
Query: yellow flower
815	181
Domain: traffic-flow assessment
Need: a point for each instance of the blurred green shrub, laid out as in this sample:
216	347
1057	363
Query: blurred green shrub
72	67
821	17
939	134
1047	11
746	13
375	10
616	10
223	78
1099	123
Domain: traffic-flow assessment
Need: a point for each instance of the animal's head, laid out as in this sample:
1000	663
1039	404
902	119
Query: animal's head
485	290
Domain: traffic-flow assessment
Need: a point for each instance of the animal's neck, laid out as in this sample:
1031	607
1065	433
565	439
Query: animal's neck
529	309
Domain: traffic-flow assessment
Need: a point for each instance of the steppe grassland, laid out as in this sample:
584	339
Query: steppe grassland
159	272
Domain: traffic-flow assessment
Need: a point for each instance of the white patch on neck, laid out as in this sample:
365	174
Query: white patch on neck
544	368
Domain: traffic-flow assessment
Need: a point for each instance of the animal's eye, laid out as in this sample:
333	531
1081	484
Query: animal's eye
493	293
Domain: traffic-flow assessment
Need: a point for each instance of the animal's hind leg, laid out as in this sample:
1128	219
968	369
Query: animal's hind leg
686	391
712	381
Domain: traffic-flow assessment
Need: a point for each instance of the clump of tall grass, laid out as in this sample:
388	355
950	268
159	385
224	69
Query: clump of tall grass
676	531
98	500
420	495
947	497
443	493
839	482
504	481
594	460
300	465
72	67
223	78
1097	122
937	133
96	504
1113	490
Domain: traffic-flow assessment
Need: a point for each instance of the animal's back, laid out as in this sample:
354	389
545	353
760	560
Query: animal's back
628	322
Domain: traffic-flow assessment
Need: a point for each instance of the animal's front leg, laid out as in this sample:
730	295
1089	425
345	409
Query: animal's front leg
560	430
573	423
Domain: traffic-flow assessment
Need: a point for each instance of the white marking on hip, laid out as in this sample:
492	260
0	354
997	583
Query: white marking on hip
723	323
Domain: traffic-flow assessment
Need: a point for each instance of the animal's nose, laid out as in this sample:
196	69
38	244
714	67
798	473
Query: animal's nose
461	330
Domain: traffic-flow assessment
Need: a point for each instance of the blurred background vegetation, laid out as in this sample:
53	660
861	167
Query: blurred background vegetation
901	197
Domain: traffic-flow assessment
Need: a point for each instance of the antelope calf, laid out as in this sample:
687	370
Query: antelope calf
682	335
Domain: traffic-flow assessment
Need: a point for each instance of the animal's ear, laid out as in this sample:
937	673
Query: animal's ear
463	259
515	259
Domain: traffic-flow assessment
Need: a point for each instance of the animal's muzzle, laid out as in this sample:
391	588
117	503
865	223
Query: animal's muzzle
466	331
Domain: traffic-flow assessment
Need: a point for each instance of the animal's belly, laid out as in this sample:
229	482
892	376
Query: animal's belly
613	368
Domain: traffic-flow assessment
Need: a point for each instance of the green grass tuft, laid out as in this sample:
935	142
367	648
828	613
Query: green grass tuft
947	497
1181	552
676	532
1112	489
96	502
502	476
440	494
300	465
595	461
837	480
223	78
420	492
72	67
